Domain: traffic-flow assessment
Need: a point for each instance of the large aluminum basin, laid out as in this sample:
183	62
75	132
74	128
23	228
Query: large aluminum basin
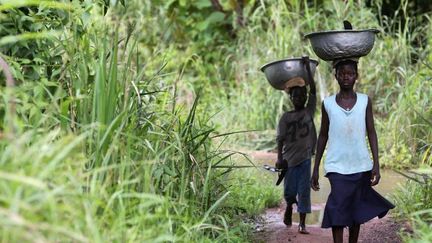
279	72
340	44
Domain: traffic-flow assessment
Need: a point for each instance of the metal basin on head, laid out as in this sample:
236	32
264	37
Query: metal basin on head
340	44
279	72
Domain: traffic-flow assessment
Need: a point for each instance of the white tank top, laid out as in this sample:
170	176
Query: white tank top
347	152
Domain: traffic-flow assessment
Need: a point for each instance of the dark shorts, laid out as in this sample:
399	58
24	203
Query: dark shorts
297	186
353	201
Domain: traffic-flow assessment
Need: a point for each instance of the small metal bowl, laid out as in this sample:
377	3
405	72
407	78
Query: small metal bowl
279	72
339	44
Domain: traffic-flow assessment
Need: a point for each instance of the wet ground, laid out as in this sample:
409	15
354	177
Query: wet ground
272	229
383	230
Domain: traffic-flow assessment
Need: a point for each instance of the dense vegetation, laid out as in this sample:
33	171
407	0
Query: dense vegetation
123	118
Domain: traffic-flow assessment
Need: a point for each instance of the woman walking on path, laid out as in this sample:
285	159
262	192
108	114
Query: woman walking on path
346	119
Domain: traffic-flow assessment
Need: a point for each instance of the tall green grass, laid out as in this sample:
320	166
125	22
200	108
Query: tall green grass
47	196
415	205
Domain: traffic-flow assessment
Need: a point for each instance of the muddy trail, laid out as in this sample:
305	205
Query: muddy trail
271	228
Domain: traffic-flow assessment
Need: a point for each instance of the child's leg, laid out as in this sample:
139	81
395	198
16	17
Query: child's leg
304	200
354	233
290	191
302	218
288	215
302	224
337	234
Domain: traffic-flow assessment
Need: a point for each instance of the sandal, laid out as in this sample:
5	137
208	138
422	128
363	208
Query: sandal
302	229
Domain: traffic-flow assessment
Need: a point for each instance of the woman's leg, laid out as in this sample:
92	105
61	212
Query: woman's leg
354	233
337	234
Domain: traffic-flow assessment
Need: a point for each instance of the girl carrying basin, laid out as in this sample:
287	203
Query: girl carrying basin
346	120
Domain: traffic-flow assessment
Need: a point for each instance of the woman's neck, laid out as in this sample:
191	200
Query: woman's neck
346	93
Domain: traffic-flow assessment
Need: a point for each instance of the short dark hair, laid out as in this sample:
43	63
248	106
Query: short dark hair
351	63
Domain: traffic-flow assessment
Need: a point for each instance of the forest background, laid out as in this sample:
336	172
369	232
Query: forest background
128	120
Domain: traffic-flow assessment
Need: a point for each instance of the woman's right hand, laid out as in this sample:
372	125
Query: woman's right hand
314	181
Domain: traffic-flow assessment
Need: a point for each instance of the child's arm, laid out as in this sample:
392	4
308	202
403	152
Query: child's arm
311	105
280	163
373	142
312	89
281	132
321	144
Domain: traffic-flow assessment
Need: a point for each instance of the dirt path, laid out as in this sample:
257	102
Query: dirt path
375	231
272	229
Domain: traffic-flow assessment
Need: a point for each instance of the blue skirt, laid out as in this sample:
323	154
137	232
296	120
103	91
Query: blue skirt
353	201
